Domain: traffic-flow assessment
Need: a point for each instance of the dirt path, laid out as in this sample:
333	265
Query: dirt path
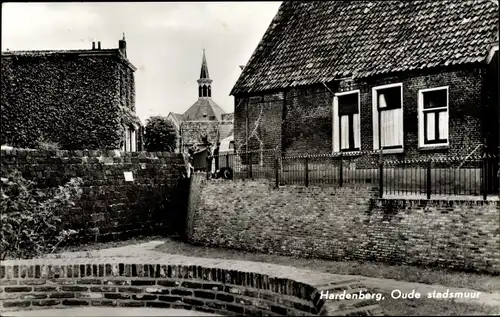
146	251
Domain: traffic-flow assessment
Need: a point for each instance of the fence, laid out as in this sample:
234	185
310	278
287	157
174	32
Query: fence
438	177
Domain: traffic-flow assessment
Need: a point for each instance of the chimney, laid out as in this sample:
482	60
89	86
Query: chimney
93	45
99	45
122	46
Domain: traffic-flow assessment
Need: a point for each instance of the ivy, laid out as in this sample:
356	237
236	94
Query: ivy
69	100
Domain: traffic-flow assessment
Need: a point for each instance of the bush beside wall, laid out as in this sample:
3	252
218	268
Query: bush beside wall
345	224
109	206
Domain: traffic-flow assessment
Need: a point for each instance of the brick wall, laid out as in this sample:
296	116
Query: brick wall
192	131
265	114
345	224
206	289
227	116
307	115
153	201
68	99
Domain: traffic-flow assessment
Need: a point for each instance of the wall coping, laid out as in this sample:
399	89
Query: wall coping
438	202
26	284
84	153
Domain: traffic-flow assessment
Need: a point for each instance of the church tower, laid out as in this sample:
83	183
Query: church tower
204	83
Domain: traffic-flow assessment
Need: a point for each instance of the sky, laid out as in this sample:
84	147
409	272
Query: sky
164	41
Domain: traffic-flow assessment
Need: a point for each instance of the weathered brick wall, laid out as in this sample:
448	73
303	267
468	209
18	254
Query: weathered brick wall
307	124
227	116
345	224
265	114
39	285
307	115
74	101
192	131
155	200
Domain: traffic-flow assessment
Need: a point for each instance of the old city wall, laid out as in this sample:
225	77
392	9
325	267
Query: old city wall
347	223
222	289
110	207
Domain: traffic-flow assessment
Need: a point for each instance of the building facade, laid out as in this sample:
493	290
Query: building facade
372	77
79	99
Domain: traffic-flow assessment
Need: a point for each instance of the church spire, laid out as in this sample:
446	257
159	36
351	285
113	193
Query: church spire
204	67
204	83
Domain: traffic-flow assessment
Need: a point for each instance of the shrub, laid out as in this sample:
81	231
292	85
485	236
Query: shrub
32	218
160	135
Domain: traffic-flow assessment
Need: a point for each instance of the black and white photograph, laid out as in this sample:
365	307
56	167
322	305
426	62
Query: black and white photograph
246	158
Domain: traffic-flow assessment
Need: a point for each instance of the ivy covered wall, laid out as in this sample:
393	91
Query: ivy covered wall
78	101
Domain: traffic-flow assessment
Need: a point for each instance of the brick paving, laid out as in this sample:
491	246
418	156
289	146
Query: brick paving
145	253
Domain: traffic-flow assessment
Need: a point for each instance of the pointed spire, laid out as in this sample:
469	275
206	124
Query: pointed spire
204	67
123	36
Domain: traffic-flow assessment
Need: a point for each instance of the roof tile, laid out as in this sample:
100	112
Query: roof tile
312	42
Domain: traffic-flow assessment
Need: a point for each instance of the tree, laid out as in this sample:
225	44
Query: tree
160	135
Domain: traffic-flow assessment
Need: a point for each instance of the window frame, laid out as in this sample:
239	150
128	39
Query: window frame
375	119
336	141
422	121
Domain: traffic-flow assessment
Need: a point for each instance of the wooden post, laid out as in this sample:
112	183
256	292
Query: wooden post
341	172
276	172
428	185
208	165
250	165
381	179
306	167
485	176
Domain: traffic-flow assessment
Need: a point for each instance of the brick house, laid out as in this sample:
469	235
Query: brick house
339	76
79	99
204	118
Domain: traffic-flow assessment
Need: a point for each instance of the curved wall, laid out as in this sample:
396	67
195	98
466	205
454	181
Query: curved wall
205	289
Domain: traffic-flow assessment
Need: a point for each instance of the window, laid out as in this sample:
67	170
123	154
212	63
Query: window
133	140
346	122
130	144
433	117
388	117
127	139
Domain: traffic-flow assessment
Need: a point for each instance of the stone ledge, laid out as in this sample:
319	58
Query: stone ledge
33	284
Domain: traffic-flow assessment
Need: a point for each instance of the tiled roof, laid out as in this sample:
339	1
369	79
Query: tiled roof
202	110
314	42
225	130
177	117
44	53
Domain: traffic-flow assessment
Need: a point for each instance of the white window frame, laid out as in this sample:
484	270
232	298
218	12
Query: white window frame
127	139
421	121
133	140
336	124
375	117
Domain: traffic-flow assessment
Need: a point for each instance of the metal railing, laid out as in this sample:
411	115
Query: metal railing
425	178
